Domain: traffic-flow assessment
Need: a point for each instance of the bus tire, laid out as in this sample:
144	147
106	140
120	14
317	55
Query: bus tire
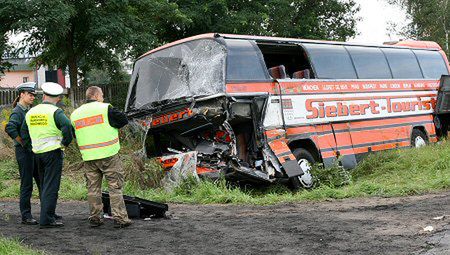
305	160
418	138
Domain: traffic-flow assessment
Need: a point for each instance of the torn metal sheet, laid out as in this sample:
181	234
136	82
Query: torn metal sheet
179	167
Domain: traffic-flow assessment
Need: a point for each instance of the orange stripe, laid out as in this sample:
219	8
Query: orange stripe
89	121
98	145
269	87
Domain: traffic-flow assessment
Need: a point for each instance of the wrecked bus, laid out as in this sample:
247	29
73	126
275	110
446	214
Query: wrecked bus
267	108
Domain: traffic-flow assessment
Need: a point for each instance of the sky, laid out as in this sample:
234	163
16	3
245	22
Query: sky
375	16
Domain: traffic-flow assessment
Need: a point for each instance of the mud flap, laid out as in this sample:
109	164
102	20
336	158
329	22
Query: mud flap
286	158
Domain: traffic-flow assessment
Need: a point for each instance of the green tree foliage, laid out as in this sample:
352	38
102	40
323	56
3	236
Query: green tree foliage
97	34
430	20
94	33
314	19
10	13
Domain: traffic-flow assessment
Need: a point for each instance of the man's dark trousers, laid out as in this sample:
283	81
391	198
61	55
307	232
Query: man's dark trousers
50	169
28	171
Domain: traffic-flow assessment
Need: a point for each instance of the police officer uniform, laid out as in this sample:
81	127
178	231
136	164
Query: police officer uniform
24	155
49	130
96	126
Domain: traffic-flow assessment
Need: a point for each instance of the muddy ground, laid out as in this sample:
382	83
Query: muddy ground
350	226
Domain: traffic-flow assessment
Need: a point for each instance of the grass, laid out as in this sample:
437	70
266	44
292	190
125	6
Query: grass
15	247
390	173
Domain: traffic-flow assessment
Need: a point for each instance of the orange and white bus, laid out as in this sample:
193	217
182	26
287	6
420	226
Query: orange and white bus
266	108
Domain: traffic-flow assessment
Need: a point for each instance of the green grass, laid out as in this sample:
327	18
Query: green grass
15	247
390	173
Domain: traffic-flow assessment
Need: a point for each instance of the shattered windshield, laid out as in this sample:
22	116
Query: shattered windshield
190	69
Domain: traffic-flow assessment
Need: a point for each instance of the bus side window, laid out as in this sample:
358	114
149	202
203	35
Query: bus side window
432	63
403	63
291	57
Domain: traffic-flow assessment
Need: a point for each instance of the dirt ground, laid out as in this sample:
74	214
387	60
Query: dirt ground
350	226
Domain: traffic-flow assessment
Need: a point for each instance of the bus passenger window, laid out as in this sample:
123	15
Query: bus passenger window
290	57
370	62
432	63
403	63
330	61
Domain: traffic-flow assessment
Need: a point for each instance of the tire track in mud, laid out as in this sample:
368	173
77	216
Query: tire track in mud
356	226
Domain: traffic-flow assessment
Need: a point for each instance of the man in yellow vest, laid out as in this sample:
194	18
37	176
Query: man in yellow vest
48	130
96	127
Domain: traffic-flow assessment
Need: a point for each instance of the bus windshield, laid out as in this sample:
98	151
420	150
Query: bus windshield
193	68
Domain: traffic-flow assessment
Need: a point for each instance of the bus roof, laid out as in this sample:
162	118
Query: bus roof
401	44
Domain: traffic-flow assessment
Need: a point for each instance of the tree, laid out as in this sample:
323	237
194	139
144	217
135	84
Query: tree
93	33
89	34
315	19
10	12
430	20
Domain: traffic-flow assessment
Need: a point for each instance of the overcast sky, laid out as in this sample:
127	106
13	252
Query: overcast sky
375	16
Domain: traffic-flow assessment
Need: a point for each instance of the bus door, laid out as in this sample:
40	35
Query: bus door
344	144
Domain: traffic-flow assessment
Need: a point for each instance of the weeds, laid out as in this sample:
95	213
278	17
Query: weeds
15	246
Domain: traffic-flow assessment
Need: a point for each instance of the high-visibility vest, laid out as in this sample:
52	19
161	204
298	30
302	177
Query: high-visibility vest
45	135
95	137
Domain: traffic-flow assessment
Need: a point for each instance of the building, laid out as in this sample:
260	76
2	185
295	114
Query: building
23	71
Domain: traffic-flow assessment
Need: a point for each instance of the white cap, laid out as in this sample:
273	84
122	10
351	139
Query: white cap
52	89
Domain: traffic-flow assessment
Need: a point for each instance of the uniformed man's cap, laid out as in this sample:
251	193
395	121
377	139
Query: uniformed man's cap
27	86
52	89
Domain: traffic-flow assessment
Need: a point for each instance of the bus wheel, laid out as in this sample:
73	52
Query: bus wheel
305	160
418	138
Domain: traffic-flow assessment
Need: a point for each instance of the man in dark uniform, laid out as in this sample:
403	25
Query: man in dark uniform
24	156
48	130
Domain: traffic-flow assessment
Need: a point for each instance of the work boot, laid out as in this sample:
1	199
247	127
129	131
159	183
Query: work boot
122	224
95	222
29	221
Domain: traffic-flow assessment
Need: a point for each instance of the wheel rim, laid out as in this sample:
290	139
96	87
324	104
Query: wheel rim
306	178
419	142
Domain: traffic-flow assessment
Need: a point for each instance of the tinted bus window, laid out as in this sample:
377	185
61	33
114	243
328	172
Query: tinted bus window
432	63
370	63
244	62
403	63
330	61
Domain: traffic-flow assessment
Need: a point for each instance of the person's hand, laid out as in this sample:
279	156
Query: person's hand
19	140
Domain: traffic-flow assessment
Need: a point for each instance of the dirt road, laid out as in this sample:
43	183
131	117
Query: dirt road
351	226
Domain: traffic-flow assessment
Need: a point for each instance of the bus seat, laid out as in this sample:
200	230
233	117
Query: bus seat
303	74
278	72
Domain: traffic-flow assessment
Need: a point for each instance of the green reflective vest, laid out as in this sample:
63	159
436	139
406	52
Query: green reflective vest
45	136
95	137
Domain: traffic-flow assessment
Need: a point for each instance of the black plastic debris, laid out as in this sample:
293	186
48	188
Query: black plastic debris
137	207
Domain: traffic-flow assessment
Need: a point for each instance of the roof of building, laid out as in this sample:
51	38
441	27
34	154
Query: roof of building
20	64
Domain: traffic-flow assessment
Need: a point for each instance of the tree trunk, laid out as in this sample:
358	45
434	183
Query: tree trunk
72	60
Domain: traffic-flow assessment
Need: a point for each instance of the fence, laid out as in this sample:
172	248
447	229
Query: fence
7	96
114	93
